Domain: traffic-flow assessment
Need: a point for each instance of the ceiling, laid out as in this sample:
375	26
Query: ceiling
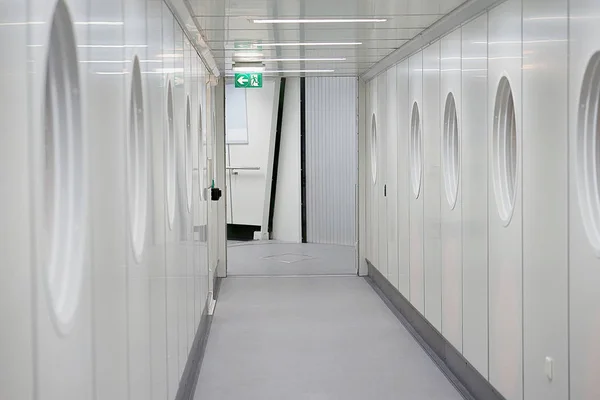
227	23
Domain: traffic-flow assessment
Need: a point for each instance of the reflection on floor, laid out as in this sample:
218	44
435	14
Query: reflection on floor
285	259
317	338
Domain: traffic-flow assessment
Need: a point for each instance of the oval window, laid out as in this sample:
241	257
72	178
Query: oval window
504	151
137	166
374	148
450	152
588	152
171	158
65	191
416	152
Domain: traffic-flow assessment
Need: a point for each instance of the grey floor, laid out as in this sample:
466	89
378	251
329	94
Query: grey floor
312	338
285	259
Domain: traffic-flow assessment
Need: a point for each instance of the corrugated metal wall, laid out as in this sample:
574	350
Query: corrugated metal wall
331	160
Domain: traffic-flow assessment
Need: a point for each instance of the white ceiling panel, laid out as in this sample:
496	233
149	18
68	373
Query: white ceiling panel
226	24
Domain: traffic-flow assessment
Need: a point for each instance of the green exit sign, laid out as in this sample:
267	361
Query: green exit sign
251	80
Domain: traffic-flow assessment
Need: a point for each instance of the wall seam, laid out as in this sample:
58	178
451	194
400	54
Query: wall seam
487	122
569	135
521	172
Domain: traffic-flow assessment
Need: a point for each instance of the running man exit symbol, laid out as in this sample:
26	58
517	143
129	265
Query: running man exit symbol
253	80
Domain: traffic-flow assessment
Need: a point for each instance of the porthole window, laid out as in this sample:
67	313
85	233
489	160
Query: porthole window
374	148
188	154
416	150
504	151
137	166
171	158
450	152
588	152
65	193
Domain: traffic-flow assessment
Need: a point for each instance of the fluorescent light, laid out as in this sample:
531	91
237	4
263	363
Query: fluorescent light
168	70
309	44
248	54
21	23
112	73
317	21
308	71
170	56
113	46
299	71
303	59
248	69
114	23
117	61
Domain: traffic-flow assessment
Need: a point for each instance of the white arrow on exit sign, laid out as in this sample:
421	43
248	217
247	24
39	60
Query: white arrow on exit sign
242	80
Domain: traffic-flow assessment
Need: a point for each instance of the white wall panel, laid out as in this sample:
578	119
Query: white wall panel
417	278
584	264
331	160
392	177
179	253
474	180
190	133
545	198
57	354
172	260
451	207
92	319
382	178
373	123
137	268
156	111
108	200
403	188
432	261
16	377
505	251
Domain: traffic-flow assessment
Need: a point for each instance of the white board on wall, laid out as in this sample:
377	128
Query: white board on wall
236	121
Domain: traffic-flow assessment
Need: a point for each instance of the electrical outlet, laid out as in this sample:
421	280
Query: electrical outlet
549	368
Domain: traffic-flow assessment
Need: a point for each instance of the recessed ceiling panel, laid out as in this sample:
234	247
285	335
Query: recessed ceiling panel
230	24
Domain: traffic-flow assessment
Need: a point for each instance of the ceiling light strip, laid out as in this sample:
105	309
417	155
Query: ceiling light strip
318	21
303	59
299	71
308	44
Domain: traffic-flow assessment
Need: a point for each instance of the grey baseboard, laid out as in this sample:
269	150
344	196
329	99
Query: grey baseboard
467	380
189	379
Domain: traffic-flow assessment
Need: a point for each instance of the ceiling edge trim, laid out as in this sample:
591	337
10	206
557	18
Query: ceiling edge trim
179	7
451	21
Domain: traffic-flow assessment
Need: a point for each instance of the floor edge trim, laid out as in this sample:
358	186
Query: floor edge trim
191	372
461	374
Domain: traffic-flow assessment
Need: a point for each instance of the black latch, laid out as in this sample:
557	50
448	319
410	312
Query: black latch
215	194
384	190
